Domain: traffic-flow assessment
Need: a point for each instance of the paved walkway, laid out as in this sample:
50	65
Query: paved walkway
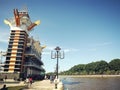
42	85
37	85
9	84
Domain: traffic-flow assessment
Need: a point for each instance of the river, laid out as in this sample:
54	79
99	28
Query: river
86	83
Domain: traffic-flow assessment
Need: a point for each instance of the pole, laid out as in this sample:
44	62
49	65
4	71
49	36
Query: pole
1	57
57	64
57	55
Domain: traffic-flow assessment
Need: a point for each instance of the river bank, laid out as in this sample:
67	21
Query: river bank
90	76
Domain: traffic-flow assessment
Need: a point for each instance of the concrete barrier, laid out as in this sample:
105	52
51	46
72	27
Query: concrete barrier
59	84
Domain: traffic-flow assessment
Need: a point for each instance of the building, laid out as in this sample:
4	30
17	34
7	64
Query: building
23	57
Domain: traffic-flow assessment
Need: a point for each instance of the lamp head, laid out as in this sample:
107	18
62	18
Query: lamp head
57	48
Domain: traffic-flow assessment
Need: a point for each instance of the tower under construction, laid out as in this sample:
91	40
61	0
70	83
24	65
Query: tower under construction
23	57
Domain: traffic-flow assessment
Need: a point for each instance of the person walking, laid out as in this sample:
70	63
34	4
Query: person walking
4	87
5	78
30	80
27	82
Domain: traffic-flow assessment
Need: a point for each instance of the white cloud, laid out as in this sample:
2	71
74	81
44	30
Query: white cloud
95	47
92	49
67	50
46	53
3	40
103	44
1	49
4	35
71	50
48	50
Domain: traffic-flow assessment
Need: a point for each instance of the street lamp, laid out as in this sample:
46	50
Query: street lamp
56	54
2	54
1	62
1	57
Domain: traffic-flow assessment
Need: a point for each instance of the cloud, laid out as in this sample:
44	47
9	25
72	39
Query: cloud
1	49
48	50
71	50
46	53
95	47
3	40
92	49
4	35
103	44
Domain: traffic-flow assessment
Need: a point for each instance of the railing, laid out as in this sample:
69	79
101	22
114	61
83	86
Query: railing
32	65
2	64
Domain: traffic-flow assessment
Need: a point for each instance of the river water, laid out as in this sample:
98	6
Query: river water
101	83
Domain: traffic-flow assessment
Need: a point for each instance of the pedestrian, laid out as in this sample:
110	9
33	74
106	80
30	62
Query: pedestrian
27	82
5	77
4	87
15	78
45	77
51	78
30	80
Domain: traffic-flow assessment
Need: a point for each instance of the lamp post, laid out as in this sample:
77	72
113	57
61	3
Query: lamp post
1	62
2	54
1	57
56	54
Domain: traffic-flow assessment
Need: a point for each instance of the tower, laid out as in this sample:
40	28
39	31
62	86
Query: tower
20	58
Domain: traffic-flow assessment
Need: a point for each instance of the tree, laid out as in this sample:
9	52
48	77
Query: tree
101	67
90	68
77	68
115	64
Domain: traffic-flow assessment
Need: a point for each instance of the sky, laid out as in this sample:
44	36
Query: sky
86	30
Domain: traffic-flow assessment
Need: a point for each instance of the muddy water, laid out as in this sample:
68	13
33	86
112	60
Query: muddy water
101	83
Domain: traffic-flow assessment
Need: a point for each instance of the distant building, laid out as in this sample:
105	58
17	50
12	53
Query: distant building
23	57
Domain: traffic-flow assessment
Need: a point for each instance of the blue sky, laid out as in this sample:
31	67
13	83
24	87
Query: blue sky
87	30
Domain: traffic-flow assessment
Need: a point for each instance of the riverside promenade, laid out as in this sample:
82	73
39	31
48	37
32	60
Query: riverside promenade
37	85
11	83
42	85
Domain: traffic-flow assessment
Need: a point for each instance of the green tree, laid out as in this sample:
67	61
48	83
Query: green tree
90	68
115	64
77	69
101	67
